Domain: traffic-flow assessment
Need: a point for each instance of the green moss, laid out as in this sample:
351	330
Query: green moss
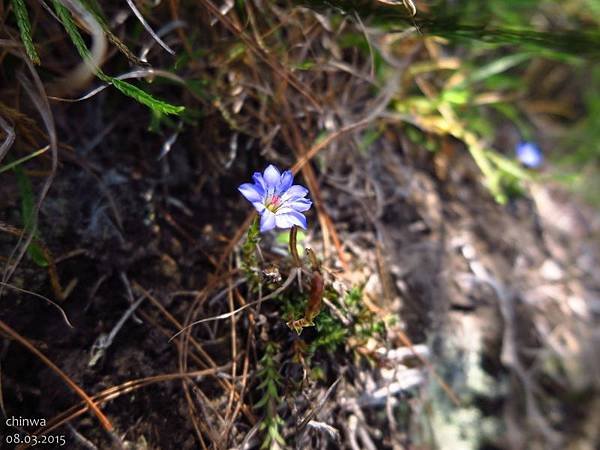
332	333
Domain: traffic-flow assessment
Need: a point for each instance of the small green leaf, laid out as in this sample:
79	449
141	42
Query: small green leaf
305	65
498	66
264	383
272	389
368	138
27	213
274	433
456	96
262	402
37	255
235	52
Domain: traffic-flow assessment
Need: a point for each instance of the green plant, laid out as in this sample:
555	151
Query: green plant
27	212
271	380
25	30
126	88
331	332
64	15
249	258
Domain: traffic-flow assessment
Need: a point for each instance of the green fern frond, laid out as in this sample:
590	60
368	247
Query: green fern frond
128	89
67	21
25	30
94	8
144	98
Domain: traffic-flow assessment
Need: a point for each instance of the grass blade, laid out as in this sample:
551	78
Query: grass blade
24	159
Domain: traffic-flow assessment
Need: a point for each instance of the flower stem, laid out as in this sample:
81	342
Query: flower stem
294	247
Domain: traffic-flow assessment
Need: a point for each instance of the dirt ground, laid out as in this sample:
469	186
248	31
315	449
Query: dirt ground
501	299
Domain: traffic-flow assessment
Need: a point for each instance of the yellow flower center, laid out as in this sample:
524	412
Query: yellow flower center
273	203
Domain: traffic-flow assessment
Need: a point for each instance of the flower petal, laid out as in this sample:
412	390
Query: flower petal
267	221
259	207
272	176
294	192
283	221
300	205
251	192
529	154
259	181
285	181
287	220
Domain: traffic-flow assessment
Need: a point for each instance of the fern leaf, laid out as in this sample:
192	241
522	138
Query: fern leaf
25	29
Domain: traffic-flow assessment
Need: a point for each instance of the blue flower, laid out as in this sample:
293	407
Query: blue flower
279	203
529	154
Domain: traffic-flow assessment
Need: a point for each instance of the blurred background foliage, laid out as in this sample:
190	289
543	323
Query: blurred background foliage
509	47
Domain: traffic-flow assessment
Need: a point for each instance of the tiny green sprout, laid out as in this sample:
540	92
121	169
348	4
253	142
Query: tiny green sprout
317	373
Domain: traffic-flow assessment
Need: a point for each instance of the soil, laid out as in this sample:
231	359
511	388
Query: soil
431	231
